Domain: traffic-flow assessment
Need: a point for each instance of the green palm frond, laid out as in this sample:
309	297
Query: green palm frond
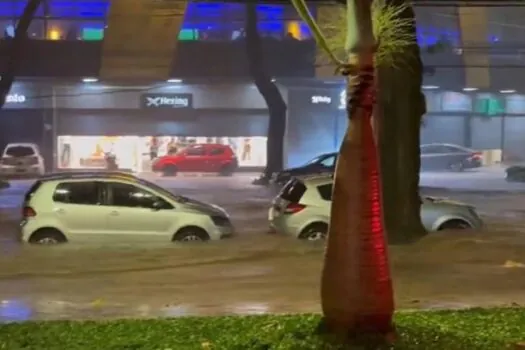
393	32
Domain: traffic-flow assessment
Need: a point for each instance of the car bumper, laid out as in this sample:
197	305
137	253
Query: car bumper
18	171
281	224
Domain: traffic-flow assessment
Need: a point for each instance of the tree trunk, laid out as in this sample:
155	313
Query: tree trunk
402	108
269	91
356	288
16	48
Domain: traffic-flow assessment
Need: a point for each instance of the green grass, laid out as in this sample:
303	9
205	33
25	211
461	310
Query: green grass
475	329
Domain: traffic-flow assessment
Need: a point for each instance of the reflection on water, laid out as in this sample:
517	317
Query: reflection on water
15	311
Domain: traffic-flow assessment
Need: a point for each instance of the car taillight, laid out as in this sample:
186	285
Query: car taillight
293	208
28	212
476	155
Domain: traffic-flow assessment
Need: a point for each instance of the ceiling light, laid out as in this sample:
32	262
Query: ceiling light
89	80
467	89
430	87
174	81
510	91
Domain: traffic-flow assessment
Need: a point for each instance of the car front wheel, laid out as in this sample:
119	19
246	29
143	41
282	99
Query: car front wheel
191	234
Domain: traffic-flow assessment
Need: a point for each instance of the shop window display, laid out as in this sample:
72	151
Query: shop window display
137	152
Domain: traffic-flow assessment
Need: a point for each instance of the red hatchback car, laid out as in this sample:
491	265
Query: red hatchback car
207	158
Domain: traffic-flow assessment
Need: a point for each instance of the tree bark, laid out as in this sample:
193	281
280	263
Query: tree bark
269	91
356	288
402	106
16	48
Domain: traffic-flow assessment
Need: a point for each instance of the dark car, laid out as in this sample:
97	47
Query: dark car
442	156
325	163
515	173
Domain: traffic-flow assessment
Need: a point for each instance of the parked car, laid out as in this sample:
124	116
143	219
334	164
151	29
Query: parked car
211	158
115	207
442	156
302	210
324	163
21	159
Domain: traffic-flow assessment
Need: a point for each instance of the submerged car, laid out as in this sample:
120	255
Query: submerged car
115	208
302	210
324	163
443	156
515	173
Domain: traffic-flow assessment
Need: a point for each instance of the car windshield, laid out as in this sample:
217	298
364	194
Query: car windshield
20	151
161	190
315	160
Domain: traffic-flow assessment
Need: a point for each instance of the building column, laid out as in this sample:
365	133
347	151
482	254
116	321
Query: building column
473	25
140	39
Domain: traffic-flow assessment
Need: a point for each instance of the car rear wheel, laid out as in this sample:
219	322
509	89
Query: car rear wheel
314	232
191	234
455	224
227	170
47	236
169	170
457	167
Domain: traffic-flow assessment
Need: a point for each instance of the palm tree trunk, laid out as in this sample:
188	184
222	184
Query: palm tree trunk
16	48
270	92
356	288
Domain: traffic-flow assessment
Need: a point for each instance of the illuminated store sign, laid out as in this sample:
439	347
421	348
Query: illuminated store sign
167	101
327	100
15	98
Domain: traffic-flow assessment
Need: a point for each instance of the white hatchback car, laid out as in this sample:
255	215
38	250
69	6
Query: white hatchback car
91	207
302	209
21	159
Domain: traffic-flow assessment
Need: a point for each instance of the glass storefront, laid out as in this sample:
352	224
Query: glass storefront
136	152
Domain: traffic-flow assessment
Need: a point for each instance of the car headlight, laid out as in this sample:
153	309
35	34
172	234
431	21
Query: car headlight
219	220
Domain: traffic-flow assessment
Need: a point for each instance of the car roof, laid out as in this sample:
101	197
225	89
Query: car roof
87	175
445	144
317	179
21	144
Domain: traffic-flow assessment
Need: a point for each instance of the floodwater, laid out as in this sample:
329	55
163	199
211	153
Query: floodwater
252	273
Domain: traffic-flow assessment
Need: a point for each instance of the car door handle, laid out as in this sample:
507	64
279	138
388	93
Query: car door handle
114	213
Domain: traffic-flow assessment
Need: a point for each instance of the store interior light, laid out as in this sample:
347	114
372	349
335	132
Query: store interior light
89	80
467	89
174	81
430	87
509	91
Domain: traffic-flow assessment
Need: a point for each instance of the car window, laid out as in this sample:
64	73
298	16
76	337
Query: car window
328	162
20	151
431	149
85	192
195	151
325	191
452	149
216	151
293	191
127	195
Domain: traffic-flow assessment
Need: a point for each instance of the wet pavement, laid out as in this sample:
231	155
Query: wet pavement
252	273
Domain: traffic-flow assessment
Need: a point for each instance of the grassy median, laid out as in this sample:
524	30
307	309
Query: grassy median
474	329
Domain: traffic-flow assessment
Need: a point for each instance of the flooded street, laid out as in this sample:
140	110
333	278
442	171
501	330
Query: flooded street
253	272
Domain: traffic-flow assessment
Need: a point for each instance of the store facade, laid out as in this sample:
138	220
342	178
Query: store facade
482	120
79	122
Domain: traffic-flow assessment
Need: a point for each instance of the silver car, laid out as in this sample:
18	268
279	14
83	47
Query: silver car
302	210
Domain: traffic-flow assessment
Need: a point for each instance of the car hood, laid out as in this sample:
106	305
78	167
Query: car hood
202	207
443	200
